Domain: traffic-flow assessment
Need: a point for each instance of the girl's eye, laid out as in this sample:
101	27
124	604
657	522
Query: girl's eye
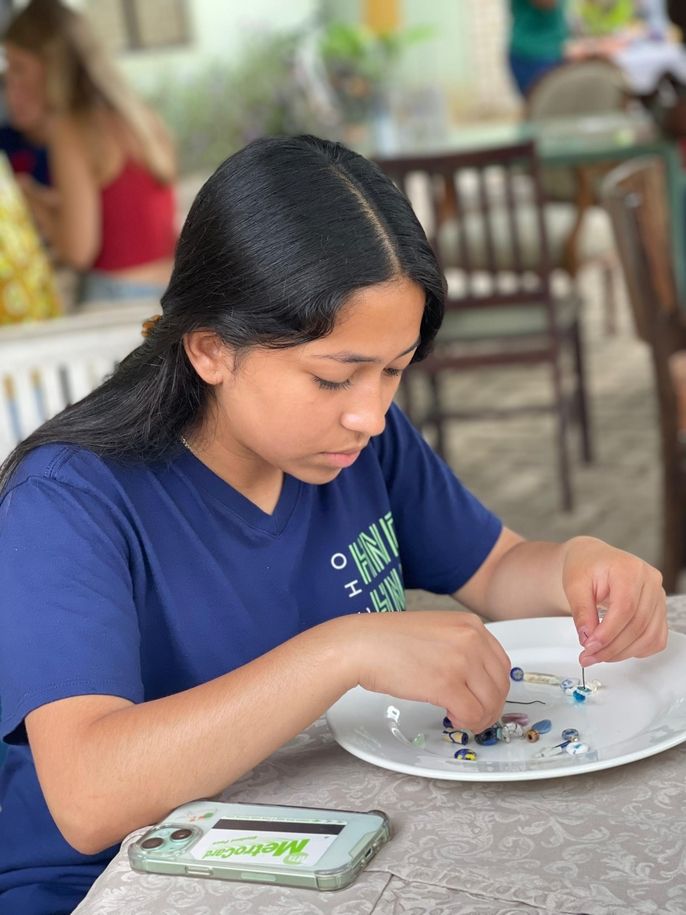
342	385
332	385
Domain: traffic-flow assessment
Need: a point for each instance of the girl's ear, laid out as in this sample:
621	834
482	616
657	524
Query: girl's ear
209	357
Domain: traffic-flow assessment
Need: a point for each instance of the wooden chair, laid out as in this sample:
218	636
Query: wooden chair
592	86
501	309
46	365
635	196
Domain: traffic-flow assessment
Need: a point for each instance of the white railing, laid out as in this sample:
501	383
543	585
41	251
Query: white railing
48	365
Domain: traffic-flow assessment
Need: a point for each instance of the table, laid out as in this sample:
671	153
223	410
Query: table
605	843
578	142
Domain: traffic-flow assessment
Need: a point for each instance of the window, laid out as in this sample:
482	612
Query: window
140	25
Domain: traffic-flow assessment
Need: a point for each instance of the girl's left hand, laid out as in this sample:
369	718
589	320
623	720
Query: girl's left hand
596	575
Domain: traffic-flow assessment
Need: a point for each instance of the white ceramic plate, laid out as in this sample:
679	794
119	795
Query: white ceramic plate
640	711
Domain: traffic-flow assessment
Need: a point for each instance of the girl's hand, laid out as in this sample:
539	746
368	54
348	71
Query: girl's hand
596	575
447	658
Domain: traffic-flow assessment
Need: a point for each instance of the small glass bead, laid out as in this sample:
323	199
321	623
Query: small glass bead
550	751
533	676
520	718
532	736
464	753
570	734
575	748
503	734
542	726
487	738
581	693
456	736
517	674
569	683
447	723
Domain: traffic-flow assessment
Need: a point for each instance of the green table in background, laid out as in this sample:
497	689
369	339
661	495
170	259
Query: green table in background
571	142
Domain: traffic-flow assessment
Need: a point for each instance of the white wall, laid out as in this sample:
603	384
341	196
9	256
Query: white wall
218	30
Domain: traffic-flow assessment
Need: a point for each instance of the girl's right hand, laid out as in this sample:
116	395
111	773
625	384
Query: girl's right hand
447	658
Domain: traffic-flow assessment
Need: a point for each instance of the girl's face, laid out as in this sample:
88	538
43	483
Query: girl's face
310	409
25	89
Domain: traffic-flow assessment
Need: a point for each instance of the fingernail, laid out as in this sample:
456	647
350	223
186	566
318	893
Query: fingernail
593	645
587	659
583	634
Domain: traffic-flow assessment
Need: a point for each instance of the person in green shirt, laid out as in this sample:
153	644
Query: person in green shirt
604	17
537	39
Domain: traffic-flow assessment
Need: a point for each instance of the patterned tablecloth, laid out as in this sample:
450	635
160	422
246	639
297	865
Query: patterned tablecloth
606	843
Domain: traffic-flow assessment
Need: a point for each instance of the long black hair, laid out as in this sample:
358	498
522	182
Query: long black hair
276	241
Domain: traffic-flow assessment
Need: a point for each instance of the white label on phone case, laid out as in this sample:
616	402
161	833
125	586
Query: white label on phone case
270	843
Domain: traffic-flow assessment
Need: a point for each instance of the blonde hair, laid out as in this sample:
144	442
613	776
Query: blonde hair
81	77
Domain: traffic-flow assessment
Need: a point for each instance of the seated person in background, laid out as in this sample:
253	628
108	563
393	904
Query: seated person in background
676	10
603	17
23	140
537	39
110	212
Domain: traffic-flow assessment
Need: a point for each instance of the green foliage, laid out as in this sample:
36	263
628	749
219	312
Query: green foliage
359	63
370	54
221	107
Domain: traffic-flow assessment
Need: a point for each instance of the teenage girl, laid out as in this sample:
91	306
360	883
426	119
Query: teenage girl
195	559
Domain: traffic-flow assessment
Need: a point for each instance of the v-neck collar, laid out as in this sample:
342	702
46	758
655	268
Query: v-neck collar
235	501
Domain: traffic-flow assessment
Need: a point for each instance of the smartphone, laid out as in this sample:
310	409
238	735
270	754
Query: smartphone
261	843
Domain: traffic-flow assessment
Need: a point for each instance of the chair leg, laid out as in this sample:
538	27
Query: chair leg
610	296
408	399
673	547
562	429
581	397
438	418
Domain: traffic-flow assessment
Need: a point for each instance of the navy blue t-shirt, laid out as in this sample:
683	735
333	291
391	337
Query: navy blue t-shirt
25	157
144	580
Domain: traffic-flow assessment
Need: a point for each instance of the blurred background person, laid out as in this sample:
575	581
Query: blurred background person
537	39
110	211
676	10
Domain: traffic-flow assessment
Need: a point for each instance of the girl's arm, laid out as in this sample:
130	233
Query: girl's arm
534	578
72	226
107	766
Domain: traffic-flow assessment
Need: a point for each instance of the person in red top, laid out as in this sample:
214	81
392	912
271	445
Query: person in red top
110	213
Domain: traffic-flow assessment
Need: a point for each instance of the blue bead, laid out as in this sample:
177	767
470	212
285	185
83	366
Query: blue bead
542	726
457	736
517	673
464	753
579	696
487	738
447	723
570	734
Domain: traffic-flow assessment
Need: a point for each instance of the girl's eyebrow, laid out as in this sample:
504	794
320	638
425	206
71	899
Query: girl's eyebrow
349	357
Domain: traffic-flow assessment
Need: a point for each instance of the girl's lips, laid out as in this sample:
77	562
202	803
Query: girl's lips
341	458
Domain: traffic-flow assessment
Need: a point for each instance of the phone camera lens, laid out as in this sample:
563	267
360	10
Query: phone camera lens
180	834
152	843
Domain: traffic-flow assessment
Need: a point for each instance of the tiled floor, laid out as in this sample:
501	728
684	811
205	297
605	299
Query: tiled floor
511	464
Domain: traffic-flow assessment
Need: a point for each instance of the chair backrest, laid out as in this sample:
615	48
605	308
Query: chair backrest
635	196
481	209
45	366
594	85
